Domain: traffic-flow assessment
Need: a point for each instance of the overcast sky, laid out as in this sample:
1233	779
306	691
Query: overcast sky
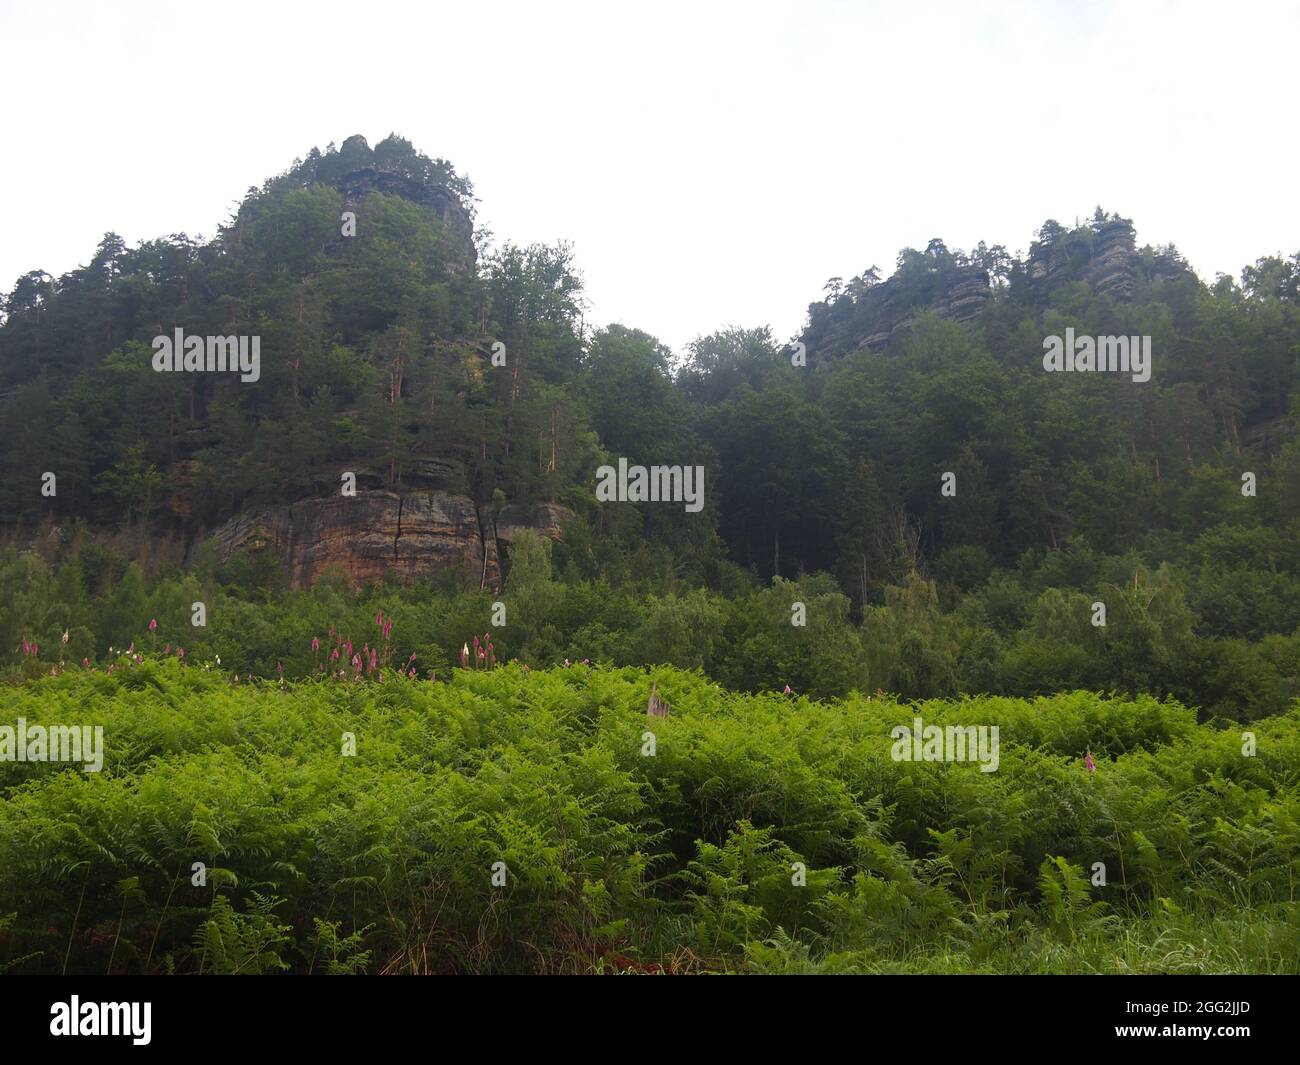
713	163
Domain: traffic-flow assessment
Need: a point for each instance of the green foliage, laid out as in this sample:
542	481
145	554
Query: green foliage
341	955
825	564
380	356
765	833
1067	902
240	944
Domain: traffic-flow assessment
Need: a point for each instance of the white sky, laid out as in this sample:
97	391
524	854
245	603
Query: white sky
713	163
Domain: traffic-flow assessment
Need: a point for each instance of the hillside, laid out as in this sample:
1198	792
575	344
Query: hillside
428	403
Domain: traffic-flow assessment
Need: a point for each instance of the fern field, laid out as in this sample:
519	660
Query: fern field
513	821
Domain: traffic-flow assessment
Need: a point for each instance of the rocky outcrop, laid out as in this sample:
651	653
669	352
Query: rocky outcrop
373	534
1108	262
394	168
357	185
1113	269
966	296
961	295
545	518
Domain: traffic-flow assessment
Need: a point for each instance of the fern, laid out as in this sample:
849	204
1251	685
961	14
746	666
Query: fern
230	943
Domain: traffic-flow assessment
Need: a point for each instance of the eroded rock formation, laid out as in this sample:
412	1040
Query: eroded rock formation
962	295
412	535
1109	266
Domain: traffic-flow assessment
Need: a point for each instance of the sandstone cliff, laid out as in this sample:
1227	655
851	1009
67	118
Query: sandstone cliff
412	535
1109	265
962	295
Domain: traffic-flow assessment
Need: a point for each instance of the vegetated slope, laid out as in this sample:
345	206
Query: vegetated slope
617	859
377	359
1070	488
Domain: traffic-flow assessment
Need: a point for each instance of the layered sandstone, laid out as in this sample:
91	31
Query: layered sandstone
962	295
375	533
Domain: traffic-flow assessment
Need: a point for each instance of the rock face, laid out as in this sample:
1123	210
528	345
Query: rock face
1102	254
961	297
1110	268
393	168
1113	270
357	185
545	518
414	535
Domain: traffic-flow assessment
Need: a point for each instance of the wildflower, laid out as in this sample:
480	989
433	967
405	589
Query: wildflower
464	656
27	647
180	653
787	691
1087	760
218	660
85	662
379	619
315	644
66	636
167	649
153	624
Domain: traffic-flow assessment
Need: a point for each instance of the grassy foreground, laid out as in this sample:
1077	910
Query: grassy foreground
764	833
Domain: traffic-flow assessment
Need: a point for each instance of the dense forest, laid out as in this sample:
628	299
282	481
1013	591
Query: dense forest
826	455
567	734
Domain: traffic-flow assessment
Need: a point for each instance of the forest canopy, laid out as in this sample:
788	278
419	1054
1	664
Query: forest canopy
826	470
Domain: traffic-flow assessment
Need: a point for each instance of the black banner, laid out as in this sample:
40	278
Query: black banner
174	1014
